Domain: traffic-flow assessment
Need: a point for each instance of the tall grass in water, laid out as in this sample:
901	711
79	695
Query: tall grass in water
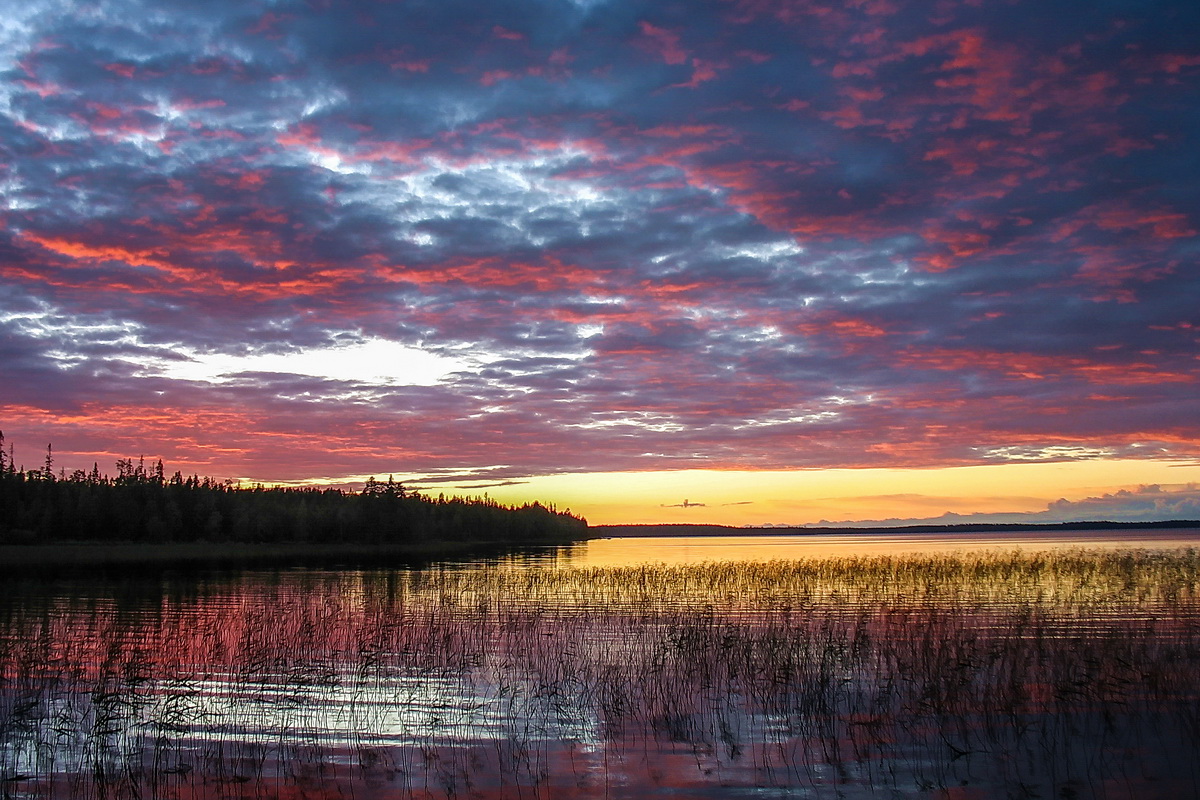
1064	674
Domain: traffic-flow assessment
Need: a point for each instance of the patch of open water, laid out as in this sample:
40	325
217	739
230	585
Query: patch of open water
760	547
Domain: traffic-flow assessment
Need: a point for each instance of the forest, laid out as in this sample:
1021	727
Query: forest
143	504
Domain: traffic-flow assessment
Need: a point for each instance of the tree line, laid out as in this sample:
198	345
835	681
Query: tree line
142	504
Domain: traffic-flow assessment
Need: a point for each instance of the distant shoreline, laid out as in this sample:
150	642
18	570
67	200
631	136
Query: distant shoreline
693	529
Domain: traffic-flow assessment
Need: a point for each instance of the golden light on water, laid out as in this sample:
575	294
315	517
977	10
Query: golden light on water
632	551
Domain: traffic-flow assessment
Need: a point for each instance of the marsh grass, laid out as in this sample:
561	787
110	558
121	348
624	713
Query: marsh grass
1064	674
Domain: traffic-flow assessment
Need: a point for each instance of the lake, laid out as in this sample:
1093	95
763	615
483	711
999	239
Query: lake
792	666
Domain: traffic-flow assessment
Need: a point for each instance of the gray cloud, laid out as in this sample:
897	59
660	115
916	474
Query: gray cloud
1148	503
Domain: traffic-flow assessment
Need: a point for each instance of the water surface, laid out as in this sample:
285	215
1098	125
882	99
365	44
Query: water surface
759	547
580	673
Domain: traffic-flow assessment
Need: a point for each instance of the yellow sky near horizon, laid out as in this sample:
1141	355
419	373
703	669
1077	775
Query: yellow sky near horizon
799	497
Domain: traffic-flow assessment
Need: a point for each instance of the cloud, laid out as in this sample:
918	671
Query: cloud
620	236
473	486
374	361
1147	503
1143	503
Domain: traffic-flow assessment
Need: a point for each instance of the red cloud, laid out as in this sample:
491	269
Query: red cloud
504	33
1175	63
702	71
663	43
124	70
1028	366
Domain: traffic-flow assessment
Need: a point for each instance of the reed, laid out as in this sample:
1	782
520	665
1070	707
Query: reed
1021	672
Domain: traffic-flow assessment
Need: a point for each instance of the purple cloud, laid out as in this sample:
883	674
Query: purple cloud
744	234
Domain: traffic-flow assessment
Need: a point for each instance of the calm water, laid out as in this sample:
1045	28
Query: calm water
622	668
696	549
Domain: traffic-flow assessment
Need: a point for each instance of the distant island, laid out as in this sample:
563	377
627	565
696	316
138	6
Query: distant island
693	529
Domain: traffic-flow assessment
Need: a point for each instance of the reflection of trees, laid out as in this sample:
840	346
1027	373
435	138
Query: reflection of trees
1017	674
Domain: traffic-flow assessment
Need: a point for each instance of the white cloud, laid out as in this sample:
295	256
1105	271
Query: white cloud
373	361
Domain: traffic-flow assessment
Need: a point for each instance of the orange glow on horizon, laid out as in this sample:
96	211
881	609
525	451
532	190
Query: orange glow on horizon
224	443
798	497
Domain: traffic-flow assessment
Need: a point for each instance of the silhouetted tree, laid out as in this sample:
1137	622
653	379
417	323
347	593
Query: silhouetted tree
137	506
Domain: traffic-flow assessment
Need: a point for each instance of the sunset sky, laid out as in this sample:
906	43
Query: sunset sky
785	260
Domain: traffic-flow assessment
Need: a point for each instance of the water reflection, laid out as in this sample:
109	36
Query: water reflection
1066	674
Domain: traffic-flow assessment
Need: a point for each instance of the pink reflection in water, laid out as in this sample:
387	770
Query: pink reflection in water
1070	677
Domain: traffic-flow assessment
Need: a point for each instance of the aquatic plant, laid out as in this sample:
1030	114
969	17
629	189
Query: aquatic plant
1014	672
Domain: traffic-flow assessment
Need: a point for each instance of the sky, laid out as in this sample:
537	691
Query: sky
737	261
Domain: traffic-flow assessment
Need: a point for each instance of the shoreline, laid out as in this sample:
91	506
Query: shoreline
76	557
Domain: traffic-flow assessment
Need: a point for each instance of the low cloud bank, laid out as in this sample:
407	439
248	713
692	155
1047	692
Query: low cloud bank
1147	503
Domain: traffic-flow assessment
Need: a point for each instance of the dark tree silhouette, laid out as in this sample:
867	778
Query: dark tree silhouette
142	506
